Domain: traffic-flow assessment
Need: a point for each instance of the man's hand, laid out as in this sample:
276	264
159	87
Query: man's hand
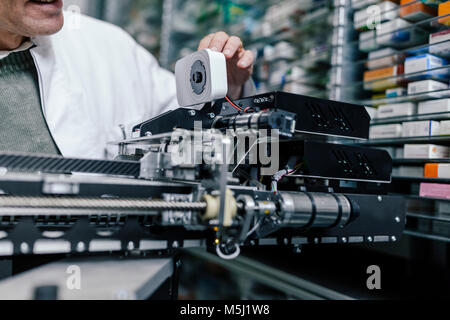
239	60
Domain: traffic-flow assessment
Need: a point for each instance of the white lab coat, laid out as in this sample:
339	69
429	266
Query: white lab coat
94	77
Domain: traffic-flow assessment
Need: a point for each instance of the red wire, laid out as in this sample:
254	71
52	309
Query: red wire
232	103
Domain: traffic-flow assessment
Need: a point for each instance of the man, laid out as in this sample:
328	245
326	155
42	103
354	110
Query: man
70	88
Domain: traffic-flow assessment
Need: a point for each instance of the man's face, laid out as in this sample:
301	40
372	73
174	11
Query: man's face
30	18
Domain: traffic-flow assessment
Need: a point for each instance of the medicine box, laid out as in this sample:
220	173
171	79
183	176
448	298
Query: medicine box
426	62
434	106
437	170
424	128
385	131
425	151
396	110
413	10
444	127
426	86
437	48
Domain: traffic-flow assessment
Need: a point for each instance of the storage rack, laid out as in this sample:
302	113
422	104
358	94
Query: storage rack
428	218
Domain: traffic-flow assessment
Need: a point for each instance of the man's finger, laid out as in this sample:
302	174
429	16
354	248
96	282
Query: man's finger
218	41
246	60
205	42
232	46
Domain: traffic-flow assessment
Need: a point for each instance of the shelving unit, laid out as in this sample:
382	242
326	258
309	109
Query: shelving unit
371	92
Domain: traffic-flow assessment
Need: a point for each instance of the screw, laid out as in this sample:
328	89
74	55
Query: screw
130	245
316	240
212	115
192	113
369	239
344	239
380	198
397	219
393	238
286	241
148	134
24	248
80	246
175	244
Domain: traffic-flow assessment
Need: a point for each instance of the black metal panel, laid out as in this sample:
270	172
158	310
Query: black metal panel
347	162
58	165
314	115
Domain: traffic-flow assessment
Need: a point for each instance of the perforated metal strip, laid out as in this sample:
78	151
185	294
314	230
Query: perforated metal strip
60	165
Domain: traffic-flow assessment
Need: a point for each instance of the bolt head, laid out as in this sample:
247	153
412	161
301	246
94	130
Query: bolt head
81	246
24	248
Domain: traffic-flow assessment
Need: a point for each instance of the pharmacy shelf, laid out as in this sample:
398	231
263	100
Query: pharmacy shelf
438	116
414	50
397	8
407	140
413	76
420	179
402	161
430	24
429	95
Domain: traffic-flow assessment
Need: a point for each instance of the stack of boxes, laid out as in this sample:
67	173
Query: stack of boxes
408	50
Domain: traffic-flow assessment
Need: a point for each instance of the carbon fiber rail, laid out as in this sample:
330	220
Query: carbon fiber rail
60	165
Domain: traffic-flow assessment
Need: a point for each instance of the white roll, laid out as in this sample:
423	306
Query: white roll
201	77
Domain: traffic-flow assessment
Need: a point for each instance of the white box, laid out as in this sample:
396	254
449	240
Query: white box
397	32
381	53
425	62
420	128
444	128
396	110
367	41
385	8
385	131
443	170
426	86
434	106
441	49
425	151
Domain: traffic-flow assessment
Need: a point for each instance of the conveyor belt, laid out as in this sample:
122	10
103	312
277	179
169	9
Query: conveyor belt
60	165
